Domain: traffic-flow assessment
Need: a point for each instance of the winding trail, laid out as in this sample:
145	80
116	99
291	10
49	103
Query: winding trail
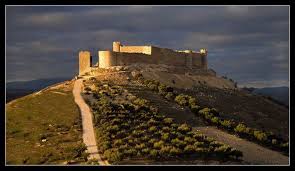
252	152
88	130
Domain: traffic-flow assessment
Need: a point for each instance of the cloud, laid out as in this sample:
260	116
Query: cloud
238	37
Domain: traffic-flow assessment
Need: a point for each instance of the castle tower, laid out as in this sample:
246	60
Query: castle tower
85	62
204	53
116	46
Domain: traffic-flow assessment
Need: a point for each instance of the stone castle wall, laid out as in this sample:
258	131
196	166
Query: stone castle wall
126	55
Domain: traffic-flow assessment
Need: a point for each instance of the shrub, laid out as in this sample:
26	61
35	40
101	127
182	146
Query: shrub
240	128
170	96
188	140
165	150
113	155
118	142
130	152
140	146
113	129
158	144
175	151
215	120
152	122
177	142
168	121
199	144
236	153
181	100
145	151
189	149
261	136
192	101
165	136
204	111
104	145
164	88
195	108
154	153
152	86
226	123
184	128
152	129
208	116
141	102
274	141
214	111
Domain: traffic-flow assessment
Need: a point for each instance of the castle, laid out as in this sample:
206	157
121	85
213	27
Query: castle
125	55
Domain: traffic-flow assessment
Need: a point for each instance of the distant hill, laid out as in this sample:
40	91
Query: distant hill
21	88
281	94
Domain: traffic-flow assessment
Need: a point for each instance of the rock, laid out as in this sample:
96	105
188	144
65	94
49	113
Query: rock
119	68
135	74
43	140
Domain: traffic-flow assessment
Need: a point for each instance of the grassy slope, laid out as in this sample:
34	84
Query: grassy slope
48	115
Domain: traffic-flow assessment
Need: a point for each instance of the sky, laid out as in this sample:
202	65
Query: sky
249	44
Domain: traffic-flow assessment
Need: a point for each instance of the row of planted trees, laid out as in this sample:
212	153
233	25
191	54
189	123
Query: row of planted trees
136	130
212	116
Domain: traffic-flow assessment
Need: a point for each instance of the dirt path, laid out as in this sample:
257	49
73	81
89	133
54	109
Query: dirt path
88	131
253	153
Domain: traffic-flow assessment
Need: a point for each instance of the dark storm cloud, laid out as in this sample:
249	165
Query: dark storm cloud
245	43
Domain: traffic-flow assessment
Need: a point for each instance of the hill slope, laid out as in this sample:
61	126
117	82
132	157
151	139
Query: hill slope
44	128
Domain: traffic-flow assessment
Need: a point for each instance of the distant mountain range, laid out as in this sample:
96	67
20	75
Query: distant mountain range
21	88
280	94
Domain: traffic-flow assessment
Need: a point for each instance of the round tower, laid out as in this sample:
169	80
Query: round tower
106	59
116	46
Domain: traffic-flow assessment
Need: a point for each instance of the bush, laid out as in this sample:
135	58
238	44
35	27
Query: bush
154	153
179	143
215	120
199	144
189	149
165	150
226	123
141	102
181	100
240	128
165	136
188	140
274	141
184	128
170	96
175	151
164	89
113	155
195	108
145	151
261	136
152	86
236	153
204	111
192	101
158	144
214	111
168	121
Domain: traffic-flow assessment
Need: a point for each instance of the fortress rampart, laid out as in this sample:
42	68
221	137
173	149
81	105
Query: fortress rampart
126	55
